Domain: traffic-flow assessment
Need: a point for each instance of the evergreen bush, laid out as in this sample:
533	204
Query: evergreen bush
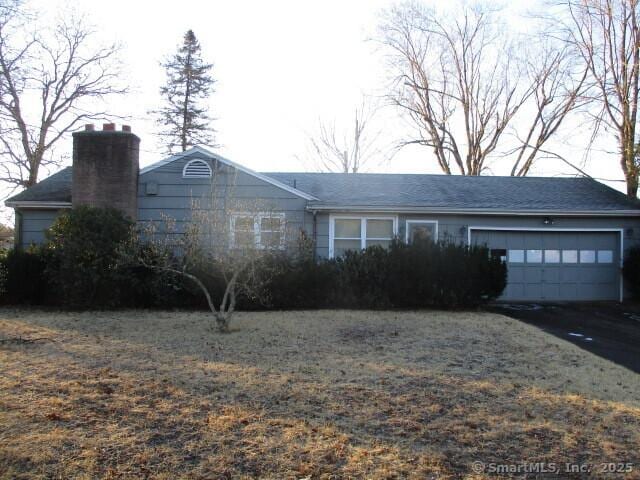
631	272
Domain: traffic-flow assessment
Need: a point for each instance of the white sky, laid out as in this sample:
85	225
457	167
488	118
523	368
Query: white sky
280	66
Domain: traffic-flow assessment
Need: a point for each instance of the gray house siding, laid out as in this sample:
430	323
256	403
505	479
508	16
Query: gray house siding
455	227
164	192
31	225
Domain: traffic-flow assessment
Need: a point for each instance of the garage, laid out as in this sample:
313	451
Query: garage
556	265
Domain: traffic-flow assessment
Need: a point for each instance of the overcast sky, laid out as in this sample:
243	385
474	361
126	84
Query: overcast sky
279	66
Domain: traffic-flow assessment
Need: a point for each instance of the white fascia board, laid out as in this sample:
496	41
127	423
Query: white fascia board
40	205
462	211
215	156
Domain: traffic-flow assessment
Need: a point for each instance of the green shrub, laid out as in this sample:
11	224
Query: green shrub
300	283
423	274
25	281
148	287
631	272
83	253
363	278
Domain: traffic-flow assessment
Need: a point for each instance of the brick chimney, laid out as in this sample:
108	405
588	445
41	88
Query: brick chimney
105	168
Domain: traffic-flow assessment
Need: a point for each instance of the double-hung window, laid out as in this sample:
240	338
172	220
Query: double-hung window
262	230
356	233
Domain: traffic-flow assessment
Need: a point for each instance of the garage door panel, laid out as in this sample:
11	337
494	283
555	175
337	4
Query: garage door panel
515	274
533	291
532	275
551	290
552	274
570	274
609	276
514	290
568	291
595	274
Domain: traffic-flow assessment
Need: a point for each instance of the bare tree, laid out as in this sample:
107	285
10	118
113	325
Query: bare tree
453	75
46	79
558	83
464	84
226	240
348	151
607	35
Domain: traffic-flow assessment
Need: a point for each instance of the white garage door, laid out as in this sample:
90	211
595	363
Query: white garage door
556	266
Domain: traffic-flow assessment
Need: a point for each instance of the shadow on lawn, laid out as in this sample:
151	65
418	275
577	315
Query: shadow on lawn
93	402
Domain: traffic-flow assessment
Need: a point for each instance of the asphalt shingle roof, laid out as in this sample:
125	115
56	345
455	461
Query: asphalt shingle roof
415	190
458	192
56	188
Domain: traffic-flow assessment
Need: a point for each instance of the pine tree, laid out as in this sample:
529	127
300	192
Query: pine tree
184	117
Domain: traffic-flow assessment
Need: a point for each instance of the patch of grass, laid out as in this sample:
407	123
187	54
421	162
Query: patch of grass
326	394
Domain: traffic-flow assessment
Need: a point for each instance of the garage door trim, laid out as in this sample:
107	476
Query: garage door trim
620	231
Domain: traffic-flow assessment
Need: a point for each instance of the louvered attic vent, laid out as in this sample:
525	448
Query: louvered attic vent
196	169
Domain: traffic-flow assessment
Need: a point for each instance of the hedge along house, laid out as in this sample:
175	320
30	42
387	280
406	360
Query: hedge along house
562	238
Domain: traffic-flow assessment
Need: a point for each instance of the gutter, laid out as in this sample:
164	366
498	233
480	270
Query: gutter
37	204
483	212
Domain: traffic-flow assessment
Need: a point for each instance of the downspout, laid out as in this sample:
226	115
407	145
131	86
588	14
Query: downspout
315	235
17	234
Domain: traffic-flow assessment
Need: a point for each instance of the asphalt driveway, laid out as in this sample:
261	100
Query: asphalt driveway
610	330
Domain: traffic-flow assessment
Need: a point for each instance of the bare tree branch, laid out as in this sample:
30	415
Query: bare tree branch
454	75
607	35
351	150
45	78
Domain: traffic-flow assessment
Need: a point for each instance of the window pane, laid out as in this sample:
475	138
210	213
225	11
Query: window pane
534	256
270	239
552	256
382	243
244	223
587	256
347	228
244	239
605	256
421	232
341	246
271	223
516	256
379	228
569	256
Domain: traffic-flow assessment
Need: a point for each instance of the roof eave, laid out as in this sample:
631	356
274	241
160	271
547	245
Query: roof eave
37	204
476	211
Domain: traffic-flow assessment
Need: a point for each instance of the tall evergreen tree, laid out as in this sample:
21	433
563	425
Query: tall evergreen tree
184	117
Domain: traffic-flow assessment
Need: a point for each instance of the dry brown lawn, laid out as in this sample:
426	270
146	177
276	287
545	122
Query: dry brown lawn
327	394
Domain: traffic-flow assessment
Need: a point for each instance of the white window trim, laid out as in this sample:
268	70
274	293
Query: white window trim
196	160
257	231
430	222
363	228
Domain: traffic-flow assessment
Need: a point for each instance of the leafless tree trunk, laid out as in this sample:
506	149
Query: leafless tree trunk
607	35
351	150
45	79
